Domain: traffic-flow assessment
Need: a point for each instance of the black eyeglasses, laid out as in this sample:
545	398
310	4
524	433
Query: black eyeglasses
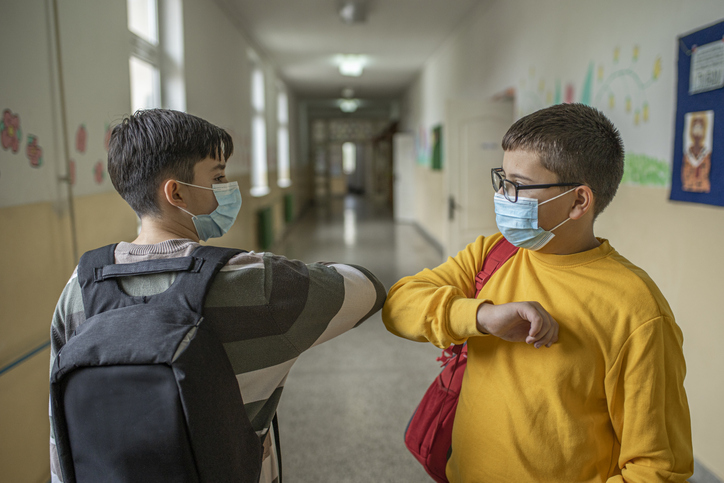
511	188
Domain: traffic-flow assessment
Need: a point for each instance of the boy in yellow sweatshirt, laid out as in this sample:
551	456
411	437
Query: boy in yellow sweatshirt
575	366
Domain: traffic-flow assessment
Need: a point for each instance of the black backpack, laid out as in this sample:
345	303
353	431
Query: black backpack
144	391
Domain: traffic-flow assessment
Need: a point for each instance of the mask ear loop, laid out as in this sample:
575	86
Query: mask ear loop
559	224
194	185
187	212
546	201
188	184
556	197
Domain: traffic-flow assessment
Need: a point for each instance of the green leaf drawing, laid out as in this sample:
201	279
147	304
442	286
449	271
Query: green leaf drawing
640	169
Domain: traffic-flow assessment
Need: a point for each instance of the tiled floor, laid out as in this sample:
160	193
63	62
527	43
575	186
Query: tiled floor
347	402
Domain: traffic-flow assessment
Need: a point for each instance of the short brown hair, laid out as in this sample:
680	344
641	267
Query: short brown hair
577	143
153	144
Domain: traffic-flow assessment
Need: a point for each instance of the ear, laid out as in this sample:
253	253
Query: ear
582	203
171	191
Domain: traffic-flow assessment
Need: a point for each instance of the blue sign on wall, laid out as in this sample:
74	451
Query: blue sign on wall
698	164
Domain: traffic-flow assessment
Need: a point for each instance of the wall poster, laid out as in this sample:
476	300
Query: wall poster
436	159
698	164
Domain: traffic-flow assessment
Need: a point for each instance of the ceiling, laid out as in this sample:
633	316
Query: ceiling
303	37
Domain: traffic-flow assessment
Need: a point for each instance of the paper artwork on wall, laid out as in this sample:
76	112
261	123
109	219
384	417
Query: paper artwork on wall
612	85
570	93
644	170
620	81
34	152
98	172
107	137
436	158
696	163
623	86
81	138
10	132
707	67
698	174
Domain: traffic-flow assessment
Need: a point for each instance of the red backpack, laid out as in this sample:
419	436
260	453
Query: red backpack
429	433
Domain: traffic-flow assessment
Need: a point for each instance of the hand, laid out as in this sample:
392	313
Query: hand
518	322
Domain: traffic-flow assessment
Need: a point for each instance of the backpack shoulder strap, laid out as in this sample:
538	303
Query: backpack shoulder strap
91	291
194	285
97	272
497	256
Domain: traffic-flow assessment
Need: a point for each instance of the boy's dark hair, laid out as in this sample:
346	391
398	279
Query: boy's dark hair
155	144
577	143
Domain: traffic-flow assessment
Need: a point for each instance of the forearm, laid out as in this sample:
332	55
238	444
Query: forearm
363	295
421	311
439	305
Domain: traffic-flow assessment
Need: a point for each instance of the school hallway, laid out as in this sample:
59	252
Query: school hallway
364	132
346	403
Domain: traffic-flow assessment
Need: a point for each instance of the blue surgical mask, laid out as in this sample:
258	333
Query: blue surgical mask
218	222
518	222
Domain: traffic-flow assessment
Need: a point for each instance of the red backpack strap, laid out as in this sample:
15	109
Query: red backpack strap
498	255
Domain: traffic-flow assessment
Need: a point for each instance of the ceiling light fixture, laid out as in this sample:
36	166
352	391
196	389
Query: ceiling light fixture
353	11
351	65
348	105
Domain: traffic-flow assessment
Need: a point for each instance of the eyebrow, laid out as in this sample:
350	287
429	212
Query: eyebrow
219	167
518	177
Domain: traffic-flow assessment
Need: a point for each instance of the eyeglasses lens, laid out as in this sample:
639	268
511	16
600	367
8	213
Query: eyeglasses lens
496	180
511	193
509	188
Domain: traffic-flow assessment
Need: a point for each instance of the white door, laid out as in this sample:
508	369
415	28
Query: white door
403	161
473	132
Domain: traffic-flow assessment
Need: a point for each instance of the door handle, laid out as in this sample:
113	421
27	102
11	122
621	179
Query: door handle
451	206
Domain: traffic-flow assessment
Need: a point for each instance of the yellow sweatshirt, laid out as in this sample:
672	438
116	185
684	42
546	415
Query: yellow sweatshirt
605	403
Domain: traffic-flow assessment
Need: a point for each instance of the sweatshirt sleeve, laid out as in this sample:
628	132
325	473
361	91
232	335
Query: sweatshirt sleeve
438	305
648	406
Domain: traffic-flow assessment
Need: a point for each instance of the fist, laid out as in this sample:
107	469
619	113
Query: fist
518	322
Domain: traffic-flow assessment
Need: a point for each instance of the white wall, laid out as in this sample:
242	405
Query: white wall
534	46
218	84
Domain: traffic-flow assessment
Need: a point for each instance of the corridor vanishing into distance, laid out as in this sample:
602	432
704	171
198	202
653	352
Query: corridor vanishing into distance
347	402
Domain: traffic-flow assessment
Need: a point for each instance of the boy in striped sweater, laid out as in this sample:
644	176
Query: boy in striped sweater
267	310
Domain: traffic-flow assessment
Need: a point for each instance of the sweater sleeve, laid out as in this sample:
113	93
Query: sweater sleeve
648	405
363	296
67	316
438	305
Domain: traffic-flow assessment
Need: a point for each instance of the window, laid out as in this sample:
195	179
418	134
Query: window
143	19
284	177
156	60
259	180
349	158
145	84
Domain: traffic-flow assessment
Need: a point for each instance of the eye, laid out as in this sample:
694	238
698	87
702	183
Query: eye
220	179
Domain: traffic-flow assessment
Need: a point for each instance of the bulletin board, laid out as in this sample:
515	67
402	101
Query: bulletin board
698	159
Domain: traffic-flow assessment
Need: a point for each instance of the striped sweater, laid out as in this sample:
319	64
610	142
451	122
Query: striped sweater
265	308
